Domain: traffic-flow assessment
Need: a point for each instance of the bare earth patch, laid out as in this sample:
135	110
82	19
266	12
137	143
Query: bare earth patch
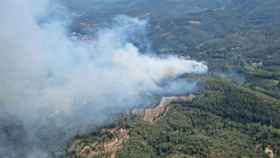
152	115
105	148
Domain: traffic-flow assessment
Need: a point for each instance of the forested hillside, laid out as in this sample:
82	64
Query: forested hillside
224	120
235	112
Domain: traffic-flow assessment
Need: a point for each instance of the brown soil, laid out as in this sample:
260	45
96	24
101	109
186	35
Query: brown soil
269	152
106	148
153	114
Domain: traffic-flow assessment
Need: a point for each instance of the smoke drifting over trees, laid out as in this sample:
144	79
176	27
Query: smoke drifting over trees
53	86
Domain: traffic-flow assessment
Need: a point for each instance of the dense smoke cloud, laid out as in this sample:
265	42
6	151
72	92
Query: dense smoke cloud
53	86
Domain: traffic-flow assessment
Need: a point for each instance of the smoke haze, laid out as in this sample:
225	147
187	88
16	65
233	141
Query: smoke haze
53	86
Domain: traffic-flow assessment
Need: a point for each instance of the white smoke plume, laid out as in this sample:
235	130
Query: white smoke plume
52	86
